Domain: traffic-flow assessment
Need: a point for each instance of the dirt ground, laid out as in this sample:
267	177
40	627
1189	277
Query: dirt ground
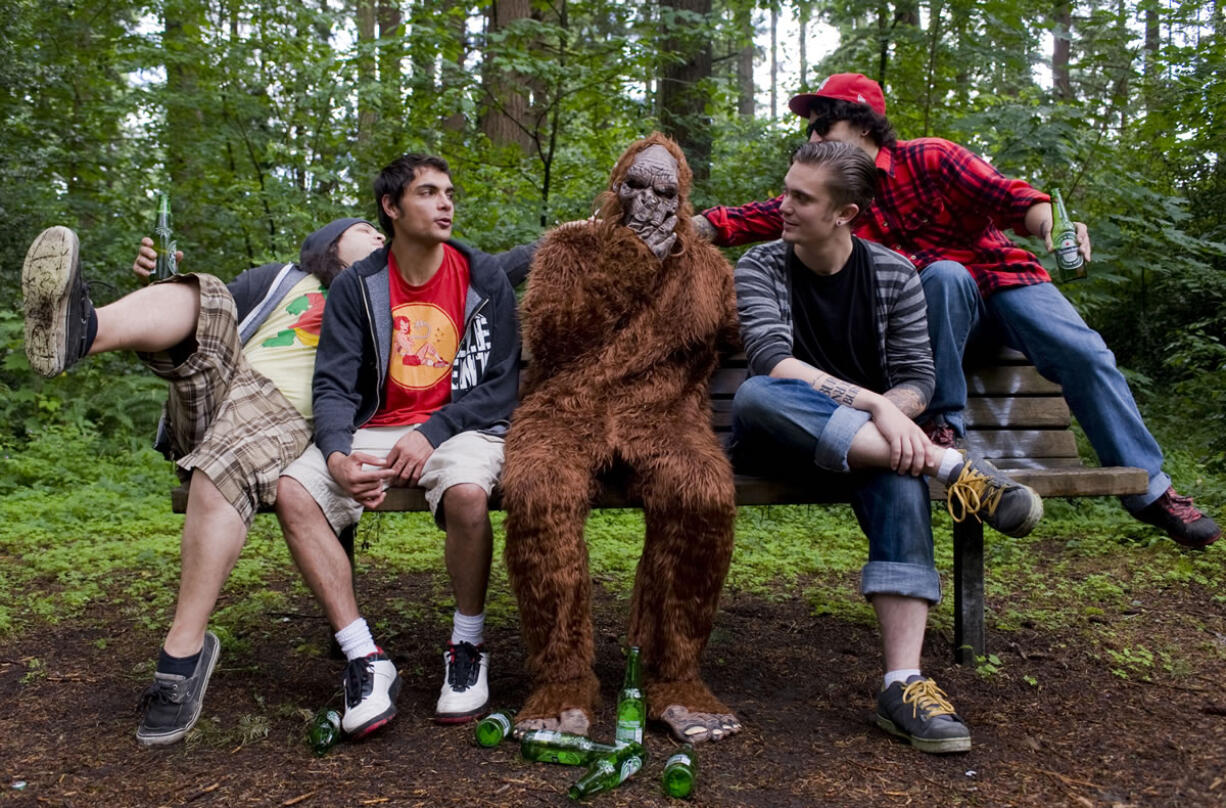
1053	727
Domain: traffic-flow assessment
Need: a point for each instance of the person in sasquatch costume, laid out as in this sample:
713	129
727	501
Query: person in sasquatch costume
623	318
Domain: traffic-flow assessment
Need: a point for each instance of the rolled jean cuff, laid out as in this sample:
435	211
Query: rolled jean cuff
1158	484
834	442
902	579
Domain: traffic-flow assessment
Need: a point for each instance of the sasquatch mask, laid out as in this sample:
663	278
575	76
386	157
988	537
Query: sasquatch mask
649	199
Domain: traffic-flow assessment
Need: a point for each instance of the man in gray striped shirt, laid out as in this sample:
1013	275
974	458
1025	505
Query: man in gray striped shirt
836	333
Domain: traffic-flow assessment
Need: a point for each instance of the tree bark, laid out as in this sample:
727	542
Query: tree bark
364	16
744	62
683	90
1062	14
391	53
504	117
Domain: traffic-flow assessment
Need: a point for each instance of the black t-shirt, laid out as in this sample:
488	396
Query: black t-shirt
833	323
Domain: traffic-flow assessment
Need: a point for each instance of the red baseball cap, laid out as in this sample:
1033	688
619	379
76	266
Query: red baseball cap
854	87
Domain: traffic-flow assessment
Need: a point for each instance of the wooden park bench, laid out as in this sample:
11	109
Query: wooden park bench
1014	417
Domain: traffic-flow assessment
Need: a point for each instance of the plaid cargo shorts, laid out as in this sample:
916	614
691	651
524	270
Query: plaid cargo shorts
224	418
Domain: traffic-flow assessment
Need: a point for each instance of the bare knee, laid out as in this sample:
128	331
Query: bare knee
466	506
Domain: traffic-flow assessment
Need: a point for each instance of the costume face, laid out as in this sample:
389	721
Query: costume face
424	210
809	214
649	199
357	242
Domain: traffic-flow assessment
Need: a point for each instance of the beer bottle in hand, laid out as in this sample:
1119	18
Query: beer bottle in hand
163	241
1069	261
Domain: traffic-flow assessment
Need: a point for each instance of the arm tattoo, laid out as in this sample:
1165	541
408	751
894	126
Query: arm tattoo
704	228
907	399
839	391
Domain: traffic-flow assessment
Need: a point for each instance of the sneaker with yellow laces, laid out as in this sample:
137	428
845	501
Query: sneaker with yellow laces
979	489
920	712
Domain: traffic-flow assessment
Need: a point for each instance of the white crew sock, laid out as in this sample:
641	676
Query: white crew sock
900	675
355	640
468	628
949	461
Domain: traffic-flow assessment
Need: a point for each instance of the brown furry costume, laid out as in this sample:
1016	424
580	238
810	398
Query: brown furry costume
622	347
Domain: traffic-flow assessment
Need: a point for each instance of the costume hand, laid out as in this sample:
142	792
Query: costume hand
1083	239
408	457
363	476
908	443
147	259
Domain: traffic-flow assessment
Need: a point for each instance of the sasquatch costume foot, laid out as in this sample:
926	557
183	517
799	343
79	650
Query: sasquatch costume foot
568	706
690	711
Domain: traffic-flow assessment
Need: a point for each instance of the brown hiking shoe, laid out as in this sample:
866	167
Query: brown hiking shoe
1181	520
940	433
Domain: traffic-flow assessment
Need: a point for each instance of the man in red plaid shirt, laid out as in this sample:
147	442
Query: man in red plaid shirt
944	208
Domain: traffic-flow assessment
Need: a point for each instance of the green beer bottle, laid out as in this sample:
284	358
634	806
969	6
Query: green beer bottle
163	241
609	771
631	707
1069	261
551	746
679	772
325	731
494	727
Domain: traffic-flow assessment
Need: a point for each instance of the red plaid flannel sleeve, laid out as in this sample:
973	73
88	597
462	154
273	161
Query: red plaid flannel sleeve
746	224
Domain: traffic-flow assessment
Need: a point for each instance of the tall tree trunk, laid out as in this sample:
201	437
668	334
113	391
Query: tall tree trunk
1062	39
182	44
744	61
683	90
391	53
802	14
883	41
1153	43
364	16
506	109
774	62
453	71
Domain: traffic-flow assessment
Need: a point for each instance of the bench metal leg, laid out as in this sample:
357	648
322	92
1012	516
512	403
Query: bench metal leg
970	636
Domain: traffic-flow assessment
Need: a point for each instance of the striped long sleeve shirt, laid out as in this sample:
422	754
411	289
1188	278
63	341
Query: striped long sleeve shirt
764	302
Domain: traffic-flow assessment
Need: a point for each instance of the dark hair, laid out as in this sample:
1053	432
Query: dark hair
853	176
860	116
324	265
398	175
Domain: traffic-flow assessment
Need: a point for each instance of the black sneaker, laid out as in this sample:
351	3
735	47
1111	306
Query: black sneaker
371	686
57	304
172	704
1181	520
920	712
979	489
466	691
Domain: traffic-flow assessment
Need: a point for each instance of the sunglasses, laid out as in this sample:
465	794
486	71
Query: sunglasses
820	126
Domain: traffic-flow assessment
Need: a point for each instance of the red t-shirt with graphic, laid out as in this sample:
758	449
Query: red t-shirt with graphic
427	324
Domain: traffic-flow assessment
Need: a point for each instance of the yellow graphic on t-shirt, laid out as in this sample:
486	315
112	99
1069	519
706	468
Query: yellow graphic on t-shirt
424	341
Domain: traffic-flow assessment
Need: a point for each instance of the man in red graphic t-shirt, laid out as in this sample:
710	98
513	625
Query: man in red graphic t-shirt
415	379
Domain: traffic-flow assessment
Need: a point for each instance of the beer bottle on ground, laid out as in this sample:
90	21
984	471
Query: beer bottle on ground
494	727
679	772
1069	261
163	241
551	746
609	771
325	731
631	706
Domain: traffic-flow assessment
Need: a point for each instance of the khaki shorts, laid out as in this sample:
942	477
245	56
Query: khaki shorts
469	457
223	417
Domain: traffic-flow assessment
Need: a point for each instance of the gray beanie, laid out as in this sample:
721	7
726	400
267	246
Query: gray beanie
316	244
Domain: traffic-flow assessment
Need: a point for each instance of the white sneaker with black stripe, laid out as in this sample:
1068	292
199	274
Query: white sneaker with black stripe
371	686
466	690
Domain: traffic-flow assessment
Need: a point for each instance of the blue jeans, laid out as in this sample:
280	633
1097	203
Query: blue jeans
785	427
1038	321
